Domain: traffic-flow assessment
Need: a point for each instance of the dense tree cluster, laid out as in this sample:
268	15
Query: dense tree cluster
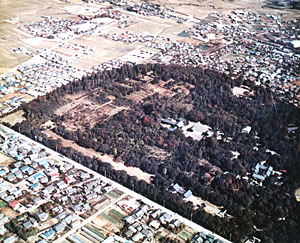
206	166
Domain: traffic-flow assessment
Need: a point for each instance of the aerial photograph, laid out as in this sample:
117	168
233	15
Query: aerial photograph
150	121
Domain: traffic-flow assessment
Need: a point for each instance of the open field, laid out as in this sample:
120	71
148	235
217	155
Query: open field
11	37
13	118
9	212
82	110
209	207
31	10
5	160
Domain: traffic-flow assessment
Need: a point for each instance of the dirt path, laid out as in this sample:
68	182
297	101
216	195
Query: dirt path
133	171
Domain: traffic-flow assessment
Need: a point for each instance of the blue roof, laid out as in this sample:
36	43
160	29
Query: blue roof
17	164
35	185
38	175
46	164
42	161
14	170
24	168
3	184
2	172
20	156
30	170
49	233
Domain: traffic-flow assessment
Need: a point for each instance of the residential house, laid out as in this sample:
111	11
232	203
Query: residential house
144	207
60	227
86	207
10	239
61	215
34	187
69	219
54	176
4	220
154	224
129	233
246	129
14	204
137	237
140	213
29	171
42	216
3	195
37	200
188	194
63	199
178	189
165	218
49	234
147	233
91	196
27	225
129	219
3	185
3	230
44	180
24	168
85	176
77	208
175	224
57	209
33	221
49	189
62	185
70	179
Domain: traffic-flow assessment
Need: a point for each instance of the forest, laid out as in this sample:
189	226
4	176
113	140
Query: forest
206	167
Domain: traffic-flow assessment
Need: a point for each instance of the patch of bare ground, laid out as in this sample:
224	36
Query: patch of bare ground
297	82
5	160
132	171
160	90
138	95
149	89
81	110
9	212
209	207
158	152
297	194
14	118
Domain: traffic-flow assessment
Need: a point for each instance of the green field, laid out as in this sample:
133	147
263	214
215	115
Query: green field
113	194
185	235
116	213
109	218
96	231
2	204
